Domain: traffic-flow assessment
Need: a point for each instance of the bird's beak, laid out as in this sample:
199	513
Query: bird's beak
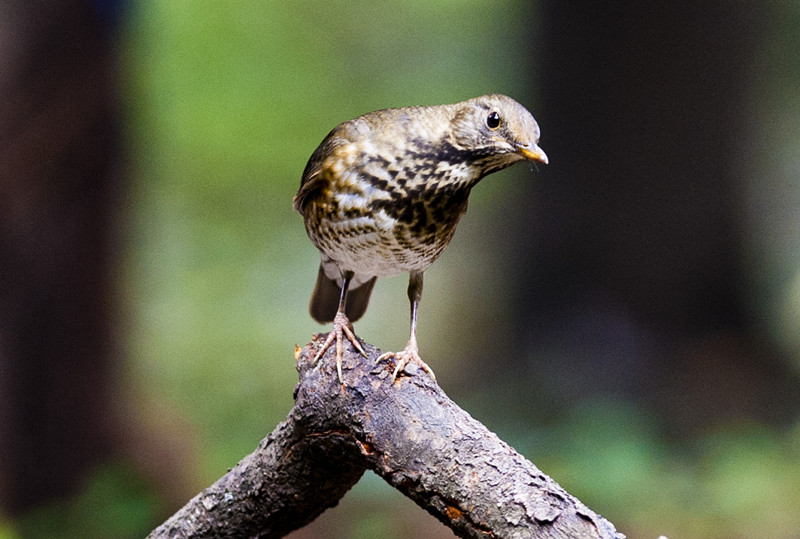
533	152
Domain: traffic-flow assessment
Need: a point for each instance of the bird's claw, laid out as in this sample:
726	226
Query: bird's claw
341	329
408	355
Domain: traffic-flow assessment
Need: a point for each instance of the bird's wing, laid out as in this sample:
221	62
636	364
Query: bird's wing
313	180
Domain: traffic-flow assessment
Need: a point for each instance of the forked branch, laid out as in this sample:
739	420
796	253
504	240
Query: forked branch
411	434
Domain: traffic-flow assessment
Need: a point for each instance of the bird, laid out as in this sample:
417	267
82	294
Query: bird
382	195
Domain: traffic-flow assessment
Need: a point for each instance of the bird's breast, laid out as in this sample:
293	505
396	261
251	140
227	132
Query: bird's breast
387	216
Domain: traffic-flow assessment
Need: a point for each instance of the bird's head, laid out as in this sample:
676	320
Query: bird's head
496	129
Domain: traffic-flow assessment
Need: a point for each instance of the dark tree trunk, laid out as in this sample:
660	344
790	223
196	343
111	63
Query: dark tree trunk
57	204
637	275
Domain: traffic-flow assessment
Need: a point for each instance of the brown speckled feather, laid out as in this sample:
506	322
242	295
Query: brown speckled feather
383	193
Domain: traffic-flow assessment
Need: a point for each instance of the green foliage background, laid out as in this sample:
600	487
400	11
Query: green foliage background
224	102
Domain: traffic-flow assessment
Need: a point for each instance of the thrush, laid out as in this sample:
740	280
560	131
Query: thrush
383	193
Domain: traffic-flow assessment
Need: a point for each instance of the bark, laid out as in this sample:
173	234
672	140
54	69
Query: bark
411	434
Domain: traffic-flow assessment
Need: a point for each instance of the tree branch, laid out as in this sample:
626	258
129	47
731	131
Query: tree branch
411	434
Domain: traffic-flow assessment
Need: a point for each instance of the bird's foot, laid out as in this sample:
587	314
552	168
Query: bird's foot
410	354
341	328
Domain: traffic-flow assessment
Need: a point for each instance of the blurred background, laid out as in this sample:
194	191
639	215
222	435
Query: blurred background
627	317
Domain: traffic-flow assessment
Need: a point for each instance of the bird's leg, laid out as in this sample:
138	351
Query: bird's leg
411	351
341	325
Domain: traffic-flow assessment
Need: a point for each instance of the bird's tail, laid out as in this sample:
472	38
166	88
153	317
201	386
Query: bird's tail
325	298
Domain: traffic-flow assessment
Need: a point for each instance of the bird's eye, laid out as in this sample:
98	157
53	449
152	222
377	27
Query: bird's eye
493	120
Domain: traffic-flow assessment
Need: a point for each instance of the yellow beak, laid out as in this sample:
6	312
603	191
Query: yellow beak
533	152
